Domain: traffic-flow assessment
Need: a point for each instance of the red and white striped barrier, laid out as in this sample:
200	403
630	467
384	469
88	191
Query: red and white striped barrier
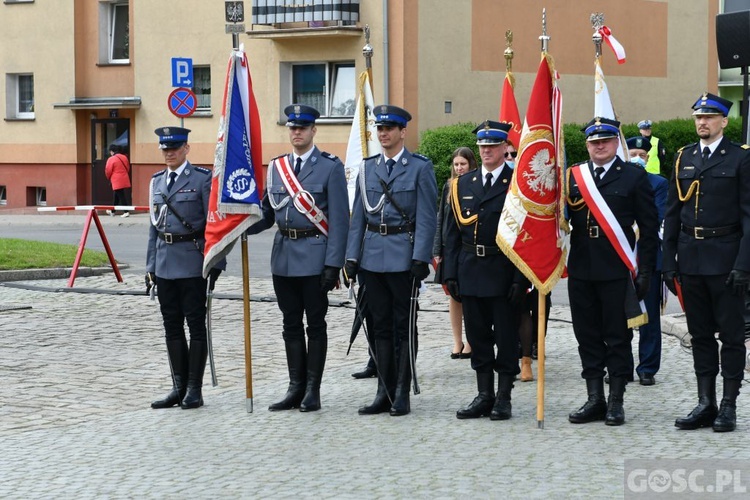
123	208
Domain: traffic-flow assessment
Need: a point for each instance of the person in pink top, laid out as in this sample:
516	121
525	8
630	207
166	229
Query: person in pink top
117	171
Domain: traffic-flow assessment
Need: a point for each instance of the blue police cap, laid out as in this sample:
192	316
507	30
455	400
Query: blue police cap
391	116
639	143
644	124
172	137
489	133
709	104
601	128
300	115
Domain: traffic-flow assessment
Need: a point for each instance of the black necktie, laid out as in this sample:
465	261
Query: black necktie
170	183
487	181
389	165
706	154
298	165
598	172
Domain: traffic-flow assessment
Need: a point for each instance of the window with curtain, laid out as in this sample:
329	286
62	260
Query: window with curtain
202	87
328	87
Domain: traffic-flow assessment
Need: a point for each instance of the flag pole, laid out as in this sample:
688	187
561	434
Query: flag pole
367	51
246	320
542	302
541	337
246	299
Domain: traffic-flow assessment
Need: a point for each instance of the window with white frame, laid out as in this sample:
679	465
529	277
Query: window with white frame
329	87
19	96
41	196
202	87
114	32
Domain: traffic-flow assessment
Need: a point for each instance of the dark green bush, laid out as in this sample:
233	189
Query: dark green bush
439	143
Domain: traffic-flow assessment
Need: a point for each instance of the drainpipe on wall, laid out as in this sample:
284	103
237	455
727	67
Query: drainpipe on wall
386	76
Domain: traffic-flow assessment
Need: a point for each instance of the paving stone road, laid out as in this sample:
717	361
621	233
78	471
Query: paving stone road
79	370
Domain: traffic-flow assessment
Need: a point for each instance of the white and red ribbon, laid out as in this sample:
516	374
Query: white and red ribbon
303	201
604	216
616	46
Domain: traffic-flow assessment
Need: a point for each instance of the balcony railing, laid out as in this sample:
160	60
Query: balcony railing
311	11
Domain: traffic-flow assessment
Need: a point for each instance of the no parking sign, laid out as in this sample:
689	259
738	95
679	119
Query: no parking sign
182	102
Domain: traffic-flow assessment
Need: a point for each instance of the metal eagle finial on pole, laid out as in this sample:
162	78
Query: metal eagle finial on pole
508	53
597	21
544	38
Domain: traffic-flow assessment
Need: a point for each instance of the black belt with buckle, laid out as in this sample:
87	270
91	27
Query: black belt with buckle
386	230
700	233
170	238
593	231
481	250
294	234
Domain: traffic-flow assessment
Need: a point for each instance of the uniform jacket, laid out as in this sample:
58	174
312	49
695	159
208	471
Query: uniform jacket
117	171
627	191
322	175
724	201
443	219
189	197
487	276
660	185
414	188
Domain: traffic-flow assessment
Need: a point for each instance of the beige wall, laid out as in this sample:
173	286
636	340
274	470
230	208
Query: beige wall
671	56
38	38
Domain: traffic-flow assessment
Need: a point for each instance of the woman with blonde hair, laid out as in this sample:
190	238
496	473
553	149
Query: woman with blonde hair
462	161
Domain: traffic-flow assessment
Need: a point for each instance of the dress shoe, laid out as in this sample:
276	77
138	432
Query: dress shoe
705	413
526	374
646	379
380	405
595	407
368	372
480	407
457	355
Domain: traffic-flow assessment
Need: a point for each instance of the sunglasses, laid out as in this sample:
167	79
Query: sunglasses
511	154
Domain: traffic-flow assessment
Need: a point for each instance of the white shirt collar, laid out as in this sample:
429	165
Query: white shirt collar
395	158
304	156
178	170
606	165
495	173
712	147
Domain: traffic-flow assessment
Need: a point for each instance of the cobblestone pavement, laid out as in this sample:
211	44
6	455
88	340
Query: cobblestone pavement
79	370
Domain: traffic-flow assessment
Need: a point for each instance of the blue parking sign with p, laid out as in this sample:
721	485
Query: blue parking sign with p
182	72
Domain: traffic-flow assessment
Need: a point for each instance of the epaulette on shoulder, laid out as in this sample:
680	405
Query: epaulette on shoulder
202	170
579	163
421	157
371	157
328	155
277	157
687	146
740	145
157	174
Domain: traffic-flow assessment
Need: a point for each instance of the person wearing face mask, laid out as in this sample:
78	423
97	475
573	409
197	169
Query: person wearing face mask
463	161
649	335
510	156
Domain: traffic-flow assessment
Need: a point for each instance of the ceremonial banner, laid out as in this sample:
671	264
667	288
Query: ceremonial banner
237	182
603	106
529	228
363	138
509	110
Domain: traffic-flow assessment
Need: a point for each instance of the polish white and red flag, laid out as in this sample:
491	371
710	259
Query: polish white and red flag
529	231
237	183
509	110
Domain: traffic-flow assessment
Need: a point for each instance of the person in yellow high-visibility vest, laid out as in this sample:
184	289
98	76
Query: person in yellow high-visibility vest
656	160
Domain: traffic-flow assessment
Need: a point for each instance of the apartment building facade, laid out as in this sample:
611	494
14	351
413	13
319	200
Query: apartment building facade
83	74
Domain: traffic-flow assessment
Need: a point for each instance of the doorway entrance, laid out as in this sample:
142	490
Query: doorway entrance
105	132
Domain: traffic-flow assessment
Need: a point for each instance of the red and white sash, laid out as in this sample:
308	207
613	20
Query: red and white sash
604	216
303	201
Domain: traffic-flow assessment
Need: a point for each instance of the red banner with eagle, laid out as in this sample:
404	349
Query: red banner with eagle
529	231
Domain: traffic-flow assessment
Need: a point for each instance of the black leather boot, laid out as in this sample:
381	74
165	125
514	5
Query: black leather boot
369	372
384	357
595	407
316	360
705	413
726	420
502	408
615	410
177	350
401	404
482	404
296	362
197	365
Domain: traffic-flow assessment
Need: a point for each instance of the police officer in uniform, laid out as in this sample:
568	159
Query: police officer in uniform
305	261
599	282
390	243
179	205
707	252
481	277
649	335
